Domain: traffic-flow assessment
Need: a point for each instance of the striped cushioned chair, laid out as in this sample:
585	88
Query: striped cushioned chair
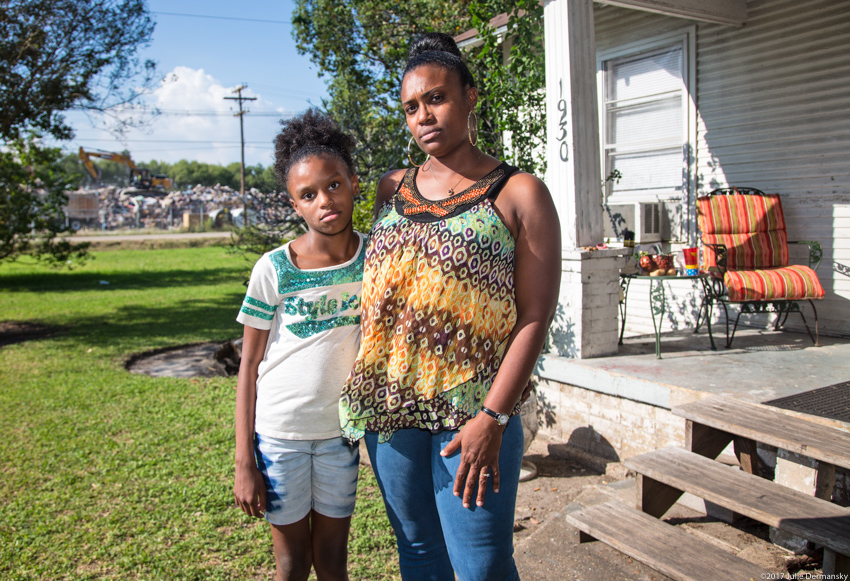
746	246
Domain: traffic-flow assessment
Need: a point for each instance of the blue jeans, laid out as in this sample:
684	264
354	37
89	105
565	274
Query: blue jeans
438	538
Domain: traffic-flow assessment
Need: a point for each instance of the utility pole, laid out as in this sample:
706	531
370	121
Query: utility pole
241	114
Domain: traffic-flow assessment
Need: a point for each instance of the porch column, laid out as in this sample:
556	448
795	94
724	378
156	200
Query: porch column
586	322
573	165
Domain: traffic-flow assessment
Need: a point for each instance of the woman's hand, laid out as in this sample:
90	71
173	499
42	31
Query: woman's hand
479	442
250	491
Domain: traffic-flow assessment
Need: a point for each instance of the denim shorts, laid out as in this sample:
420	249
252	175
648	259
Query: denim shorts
304	475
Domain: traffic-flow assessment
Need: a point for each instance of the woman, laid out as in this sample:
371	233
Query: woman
459	288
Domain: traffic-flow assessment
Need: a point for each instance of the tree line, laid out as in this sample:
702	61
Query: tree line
185	174
361	47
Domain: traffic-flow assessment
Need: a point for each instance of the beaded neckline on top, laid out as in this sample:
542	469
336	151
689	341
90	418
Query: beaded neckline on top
410	203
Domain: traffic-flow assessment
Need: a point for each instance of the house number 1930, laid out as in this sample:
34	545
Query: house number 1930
562	124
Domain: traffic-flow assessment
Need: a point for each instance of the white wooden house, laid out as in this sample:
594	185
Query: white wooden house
754	94
682	97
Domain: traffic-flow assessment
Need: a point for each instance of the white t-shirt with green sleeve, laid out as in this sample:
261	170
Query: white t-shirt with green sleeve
313	318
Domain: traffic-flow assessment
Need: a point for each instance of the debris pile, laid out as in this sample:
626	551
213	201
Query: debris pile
134	208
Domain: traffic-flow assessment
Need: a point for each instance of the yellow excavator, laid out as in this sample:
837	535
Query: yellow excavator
140	177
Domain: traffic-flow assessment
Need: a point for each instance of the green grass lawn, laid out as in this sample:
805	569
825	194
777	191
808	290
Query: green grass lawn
109	475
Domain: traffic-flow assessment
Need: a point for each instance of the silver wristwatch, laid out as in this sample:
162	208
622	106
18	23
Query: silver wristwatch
501	419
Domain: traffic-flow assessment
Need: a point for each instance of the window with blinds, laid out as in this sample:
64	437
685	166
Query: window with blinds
644	124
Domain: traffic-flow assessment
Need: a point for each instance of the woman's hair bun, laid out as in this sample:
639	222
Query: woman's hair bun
439	49
433	41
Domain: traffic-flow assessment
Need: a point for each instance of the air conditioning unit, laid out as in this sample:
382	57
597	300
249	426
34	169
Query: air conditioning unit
642	218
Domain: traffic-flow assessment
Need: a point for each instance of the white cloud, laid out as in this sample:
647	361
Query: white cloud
195	91
197	123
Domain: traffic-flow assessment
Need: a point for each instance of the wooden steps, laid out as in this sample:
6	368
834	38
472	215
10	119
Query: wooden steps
770	426
666	473
663	547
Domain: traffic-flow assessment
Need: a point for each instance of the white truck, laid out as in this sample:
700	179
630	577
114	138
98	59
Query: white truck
82	209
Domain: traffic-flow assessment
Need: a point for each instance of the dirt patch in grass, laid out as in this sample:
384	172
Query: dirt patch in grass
215	359
12	332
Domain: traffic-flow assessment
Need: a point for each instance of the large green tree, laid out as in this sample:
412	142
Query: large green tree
511	64
57	56
361	46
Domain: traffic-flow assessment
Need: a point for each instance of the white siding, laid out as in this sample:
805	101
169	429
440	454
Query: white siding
773	101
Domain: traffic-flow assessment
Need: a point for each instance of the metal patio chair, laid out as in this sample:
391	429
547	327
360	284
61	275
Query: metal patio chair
745	248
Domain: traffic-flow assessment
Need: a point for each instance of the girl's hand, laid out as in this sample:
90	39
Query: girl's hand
250	491
479	441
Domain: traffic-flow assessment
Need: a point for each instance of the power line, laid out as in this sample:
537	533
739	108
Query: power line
94	139
214	113
217	113
223	17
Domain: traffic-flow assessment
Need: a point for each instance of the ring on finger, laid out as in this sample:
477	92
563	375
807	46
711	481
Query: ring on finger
485	475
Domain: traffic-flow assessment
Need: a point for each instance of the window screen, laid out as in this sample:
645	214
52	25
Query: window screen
644	123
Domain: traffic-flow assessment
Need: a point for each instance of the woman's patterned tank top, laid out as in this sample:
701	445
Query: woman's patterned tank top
438	307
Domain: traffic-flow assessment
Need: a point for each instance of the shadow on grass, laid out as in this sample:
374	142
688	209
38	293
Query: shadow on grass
127	280
131	327
12	332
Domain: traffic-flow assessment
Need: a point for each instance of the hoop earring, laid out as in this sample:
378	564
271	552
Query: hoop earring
410	159
470	127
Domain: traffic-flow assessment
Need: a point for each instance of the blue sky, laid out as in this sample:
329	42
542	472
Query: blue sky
202	60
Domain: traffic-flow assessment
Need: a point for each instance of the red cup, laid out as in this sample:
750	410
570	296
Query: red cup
691	261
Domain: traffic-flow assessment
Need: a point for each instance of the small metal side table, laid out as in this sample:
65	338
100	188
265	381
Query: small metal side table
658	303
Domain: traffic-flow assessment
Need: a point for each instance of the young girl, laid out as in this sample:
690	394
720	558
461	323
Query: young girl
302	328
